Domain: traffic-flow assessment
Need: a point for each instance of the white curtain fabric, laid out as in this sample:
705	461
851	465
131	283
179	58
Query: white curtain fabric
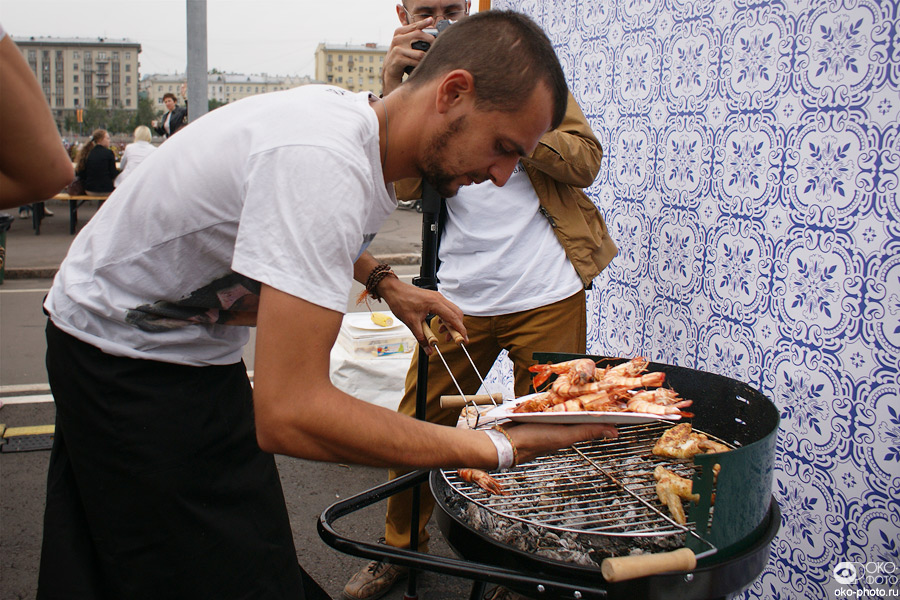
750	183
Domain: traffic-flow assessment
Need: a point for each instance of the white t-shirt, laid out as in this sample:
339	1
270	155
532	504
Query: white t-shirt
134	155
283	188
499	254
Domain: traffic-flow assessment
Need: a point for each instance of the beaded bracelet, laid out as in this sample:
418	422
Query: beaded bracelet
515	451
375	277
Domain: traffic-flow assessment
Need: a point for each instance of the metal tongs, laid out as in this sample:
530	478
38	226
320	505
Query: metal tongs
472	400
622	568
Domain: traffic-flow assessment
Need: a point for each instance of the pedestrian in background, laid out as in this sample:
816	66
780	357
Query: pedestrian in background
96	165
135	153
175	119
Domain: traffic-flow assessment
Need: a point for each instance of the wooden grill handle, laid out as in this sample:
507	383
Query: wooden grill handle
457	336
478	399
623	568
429	334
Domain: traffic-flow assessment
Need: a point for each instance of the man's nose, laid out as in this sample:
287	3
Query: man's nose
501	170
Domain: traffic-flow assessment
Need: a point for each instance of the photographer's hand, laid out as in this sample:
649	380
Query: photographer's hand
401	53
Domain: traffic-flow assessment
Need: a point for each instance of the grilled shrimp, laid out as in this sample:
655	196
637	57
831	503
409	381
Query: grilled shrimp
538	403
482	480
644	406
601	401
654	379
663	397
632	368
565	388
581	370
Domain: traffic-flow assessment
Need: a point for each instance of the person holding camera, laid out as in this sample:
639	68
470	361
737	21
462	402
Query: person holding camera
162	481
516	259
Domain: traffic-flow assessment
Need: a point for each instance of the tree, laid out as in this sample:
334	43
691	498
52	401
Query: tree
144	113
96	115
214	104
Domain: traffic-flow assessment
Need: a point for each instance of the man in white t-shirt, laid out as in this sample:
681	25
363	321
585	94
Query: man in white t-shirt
515	260
160	481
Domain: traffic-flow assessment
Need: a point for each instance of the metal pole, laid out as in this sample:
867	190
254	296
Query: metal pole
427	279
197	78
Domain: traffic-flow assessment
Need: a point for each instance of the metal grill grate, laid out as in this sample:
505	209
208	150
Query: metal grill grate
564	492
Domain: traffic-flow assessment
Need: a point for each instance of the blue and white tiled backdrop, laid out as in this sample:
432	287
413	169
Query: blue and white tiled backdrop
750	180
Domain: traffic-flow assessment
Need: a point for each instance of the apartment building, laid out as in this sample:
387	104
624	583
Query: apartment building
353	68
74	71
223	87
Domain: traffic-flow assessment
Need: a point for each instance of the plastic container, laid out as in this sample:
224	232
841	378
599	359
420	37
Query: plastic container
363	339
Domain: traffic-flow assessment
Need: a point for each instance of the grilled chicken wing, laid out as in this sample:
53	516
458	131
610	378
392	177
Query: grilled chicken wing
681	442
671	489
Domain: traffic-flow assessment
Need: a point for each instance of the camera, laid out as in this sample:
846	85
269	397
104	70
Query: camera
424	46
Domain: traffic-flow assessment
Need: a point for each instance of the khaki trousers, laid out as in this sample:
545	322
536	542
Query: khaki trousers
557	327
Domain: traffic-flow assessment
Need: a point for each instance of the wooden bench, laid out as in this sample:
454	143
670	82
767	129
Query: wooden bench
74	203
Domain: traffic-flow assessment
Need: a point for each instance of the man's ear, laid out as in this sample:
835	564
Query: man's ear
456	88
401	14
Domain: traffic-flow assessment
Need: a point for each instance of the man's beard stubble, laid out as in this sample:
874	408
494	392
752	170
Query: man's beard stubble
434	169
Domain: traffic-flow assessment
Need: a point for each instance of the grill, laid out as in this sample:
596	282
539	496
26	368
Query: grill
578	515
564	497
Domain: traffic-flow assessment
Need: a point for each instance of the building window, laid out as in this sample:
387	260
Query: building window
75	55
74	78
115	55
76	99
128	67
128	79
87	55
341	57
74	66
128	101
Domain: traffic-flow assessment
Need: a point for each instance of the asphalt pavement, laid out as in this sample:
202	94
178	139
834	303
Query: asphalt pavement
309	487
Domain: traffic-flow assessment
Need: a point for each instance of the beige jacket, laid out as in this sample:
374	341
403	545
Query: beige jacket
566	160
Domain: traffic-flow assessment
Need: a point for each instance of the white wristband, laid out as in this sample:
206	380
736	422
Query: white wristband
505	455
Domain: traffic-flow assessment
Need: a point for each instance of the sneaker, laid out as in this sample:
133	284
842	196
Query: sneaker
25	212
374	581
48	212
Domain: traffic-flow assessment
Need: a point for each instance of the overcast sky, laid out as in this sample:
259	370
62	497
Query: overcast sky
278	37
